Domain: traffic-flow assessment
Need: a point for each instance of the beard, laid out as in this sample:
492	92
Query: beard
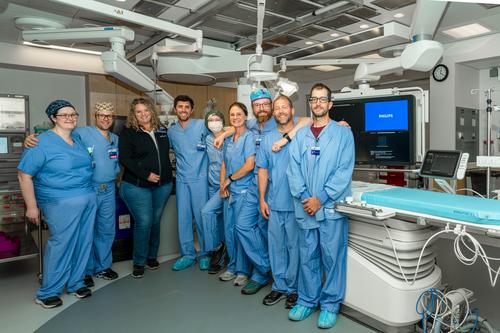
320	112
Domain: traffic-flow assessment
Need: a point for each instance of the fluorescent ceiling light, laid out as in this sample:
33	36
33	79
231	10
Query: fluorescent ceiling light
309	42
334	34
399	15
371	56
62	48
364	26
326	68
468	30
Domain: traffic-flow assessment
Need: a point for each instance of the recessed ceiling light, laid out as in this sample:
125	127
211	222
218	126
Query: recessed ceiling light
334	34
364	26
121	0
309	42
468	30
399	15
326	68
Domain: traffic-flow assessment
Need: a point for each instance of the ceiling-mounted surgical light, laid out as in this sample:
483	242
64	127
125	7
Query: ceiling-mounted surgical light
287	87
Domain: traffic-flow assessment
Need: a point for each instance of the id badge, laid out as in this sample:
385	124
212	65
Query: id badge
257	141
315	151
112	153
201	147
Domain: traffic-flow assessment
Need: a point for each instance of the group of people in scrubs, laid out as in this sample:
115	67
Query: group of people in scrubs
260	192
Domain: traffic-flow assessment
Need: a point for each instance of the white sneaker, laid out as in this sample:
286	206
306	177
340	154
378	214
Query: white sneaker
240	280
227	276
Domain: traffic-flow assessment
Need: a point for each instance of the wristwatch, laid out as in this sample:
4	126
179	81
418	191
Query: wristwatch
287	137
230	177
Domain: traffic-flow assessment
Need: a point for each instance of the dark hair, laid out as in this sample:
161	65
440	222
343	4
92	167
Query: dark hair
284	97
321	86
241	106
184	98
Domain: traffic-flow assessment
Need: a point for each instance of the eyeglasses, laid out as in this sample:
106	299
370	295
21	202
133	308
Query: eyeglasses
262	106
67	115
320	99
105	116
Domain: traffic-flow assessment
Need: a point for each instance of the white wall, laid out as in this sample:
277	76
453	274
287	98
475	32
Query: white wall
486	82
44	87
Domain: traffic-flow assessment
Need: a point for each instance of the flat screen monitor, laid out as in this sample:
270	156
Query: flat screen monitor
440	163
4	145
383	128
119	123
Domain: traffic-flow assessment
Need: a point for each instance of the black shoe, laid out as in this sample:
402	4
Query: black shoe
83	292
273	297
152	264
49	302
107	274
214	269
89	281
138	271
218	256
291	300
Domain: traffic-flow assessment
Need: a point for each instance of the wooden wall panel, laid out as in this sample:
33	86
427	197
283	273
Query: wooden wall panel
224	98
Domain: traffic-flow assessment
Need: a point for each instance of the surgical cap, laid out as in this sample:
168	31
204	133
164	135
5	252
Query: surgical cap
214	112
260	93
104	106
56	106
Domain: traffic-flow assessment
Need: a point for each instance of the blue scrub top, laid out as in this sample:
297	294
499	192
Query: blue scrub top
59	170
278	196
214	162
235	155
104	152
190	150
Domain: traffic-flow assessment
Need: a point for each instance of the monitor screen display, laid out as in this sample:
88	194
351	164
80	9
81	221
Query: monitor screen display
383	128
439	163
4	148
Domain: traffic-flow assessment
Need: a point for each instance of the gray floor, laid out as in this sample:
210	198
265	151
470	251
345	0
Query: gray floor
187	301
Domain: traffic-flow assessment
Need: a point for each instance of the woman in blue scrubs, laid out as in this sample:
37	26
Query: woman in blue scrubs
147	180
235	179
56	177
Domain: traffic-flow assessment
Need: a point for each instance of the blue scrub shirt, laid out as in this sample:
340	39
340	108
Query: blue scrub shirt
214	162
59	170
104	152
190	150
235	155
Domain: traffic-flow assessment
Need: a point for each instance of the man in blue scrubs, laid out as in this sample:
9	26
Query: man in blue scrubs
319	174
277	207
187	137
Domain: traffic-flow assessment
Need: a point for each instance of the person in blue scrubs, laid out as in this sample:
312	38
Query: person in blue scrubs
187	137
147	180
277	207
56	176
319	174
211	213
236	179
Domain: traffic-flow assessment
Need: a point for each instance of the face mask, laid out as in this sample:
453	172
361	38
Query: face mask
215	126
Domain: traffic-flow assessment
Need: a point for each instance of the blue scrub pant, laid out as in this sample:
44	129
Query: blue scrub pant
323	250
191	197
211	215
238	261
284	250
101	257
71	222
252	233
146	204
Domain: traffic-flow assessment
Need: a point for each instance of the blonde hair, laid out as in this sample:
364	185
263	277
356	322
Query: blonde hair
132	120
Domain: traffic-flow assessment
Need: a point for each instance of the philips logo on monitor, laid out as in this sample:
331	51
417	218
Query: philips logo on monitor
386	116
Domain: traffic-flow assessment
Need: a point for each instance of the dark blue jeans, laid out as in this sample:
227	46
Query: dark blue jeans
146	206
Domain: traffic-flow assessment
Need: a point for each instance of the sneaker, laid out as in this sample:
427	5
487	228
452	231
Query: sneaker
273	297
218	256
252	287
49	302
89	281
204	262
240	280
327	319
214	269
107	274
138	271
300	312
83	292
227	276
291	300
182	263
152	264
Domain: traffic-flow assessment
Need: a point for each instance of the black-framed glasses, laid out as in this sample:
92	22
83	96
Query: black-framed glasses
105	116
67	115
320	99
262	106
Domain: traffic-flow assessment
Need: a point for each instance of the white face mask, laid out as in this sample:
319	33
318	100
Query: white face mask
215	126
